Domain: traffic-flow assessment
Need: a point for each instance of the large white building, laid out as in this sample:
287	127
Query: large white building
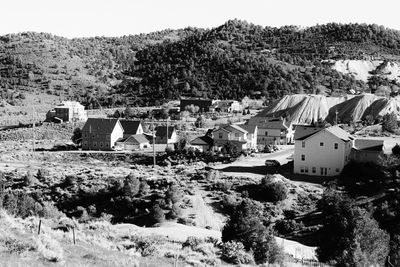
321	151
68	111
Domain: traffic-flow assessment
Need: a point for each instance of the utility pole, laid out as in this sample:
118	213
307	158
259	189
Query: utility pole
336	112
33	130
154	146
167	131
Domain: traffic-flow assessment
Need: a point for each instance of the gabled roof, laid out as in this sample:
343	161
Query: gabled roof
161	131
202	140
304	131
130	126
368	144
334	130
236	127
269	123
99	125
340	133
249	128
137	139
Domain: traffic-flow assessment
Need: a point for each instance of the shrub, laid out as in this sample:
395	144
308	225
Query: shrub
223	186
169	150
288	226
173	194
175	212
192	242
50	249
273	191
70	180
131	185
158	215
245	225
233	252
389	122
29	179
18	246
50	211
396	150
146	246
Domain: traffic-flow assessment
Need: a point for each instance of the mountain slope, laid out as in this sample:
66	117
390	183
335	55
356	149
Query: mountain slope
234	60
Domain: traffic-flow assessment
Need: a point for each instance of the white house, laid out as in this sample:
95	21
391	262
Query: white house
233	134
68	111
321	151
251	136
272	131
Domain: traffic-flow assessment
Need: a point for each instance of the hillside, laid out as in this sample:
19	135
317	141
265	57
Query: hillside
312	108
233	60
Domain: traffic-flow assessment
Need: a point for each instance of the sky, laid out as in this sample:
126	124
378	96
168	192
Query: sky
87	18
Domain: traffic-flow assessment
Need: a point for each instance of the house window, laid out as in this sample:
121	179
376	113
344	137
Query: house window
94	144
321	144
93	135
306	169
107	137
236	135
314	170
303	157
106	145
85	135
337	170
266	133
220	136
301	169
303	144
336	145
101	144
85	143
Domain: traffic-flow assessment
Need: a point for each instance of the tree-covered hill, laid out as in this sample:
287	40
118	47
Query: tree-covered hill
234	60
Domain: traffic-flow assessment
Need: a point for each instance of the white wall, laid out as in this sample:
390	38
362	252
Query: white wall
117	133
326	156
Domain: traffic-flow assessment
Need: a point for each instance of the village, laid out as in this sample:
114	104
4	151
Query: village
318	149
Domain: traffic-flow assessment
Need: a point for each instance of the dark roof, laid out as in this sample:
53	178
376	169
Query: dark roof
249	128
203	140
99	125
269	123
162	131
137	139
130	126
368	144
304	131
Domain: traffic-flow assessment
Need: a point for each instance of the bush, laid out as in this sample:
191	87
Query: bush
223	186
131	185
173	195
158	215
389	122
192	242
174	213
273	191
146	246
18	246
233	252
50	211
169	150
396	150
288	226
245	225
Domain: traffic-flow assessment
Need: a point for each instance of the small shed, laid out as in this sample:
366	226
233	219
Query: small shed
133	142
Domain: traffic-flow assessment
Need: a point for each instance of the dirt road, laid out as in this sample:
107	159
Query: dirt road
255	166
